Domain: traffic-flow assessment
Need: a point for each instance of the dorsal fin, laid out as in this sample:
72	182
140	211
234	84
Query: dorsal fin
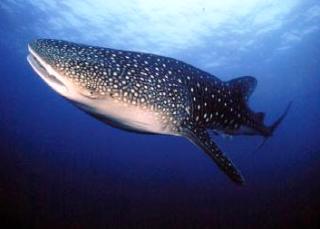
243	85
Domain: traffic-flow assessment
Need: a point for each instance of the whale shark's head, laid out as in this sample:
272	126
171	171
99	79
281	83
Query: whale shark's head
72	70
100	81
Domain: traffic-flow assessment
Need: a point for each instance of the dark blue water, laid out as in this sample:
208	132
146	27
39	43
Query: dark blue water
61	168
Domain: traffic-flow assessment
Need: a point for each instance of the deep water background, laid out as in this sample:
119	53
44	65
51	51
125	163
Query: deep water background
61	168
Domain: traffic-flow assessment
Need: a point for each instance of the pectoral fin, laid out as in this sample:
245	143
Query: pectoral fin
201	138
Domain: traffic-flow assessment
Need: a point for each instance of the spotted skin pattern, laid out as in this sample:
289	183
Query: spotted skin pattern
184	100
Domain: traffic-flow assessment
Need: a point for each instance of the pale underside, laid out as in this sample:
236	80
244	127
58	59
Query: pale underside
126	116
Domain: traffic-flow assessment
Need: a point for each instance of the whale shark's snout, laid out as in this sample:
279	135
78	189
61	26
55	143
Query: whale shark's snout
43	57
70	69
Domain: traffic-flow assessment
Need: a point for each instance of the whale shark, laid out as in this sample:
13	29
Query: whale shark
152	94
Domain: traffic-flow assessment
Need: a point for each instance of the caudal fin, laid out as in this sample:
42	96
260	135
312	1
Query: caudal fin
275	125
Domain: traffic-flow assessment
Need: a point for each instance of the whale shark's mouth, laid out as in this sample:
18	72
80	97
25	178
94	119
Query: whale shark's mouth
46	72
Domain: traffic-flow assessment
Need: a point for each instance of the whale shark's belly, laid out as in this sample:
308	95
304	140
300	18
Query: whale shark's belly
130	117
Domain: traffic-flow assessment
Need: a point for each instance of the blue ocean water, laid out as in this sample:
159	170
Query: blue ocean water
60	168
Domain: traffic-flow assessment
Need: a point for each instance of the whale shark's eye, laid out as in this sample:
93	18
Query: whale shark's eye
89	91
90	94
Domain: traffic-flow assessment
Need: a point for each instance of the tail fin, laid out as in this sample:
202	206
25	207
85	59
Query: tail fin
274	126
242	87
